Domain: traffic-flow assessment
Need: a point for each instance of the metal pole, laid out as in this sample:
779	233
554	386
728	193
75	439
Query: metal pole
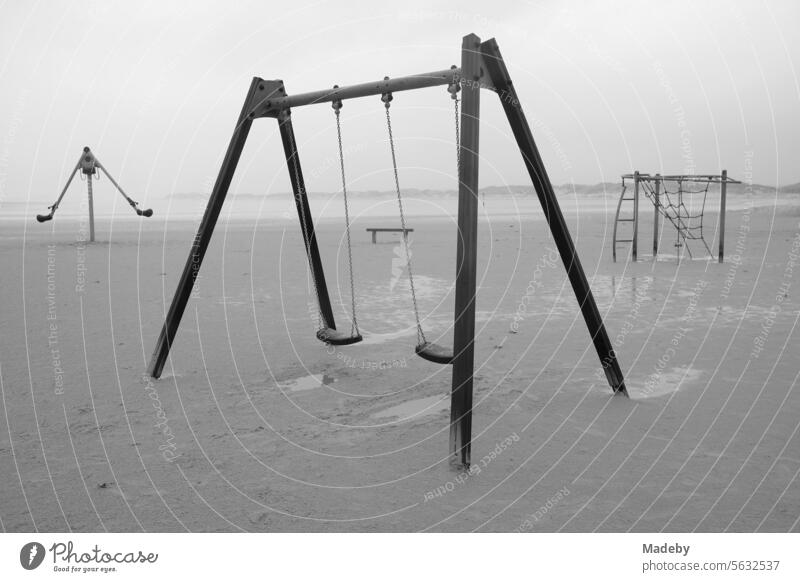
635	245
117	186
69	181
131	201
678	244
306	220
501	83
91	207
657	192
420	81
466	256
202	238
723	190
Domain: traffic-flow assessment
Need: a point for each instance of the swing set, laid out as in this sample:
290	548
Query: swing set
88	165
482	67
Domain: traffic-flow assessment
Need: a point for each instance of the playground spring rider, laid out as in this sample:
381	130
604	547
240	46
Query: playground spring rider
88	164
482	66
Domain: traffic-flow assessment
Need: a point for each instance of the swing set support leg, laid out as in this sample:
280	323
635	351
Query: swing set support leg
466	257
502	85
306	220
202	238
259	91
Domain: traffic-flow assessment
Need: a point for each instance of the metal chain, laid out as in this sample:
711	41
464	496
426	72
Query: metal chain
354	326
420	334
300	196
453	88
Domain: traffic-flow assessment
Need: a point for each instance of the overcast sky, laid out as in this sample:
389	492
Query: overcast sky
155	89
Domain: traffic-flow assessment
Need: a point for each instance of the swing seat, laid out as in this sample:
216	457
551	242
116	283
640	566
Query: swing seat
434	353
338	338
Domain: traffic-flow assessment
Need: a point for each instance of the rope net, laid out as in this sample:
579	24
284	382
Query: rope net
682	201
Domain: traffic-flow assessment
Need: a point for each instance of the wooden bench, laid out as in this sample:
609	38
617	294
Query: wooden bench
375	232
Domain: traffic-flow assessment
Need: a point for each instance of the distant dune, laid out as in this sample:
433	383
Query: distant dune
611	189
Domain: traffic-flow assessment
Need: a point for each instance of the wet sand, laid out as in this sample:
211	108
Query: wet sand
255	425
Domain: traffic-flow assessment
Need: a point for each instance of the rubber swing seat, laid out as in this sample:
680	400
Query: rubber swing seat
434	353
338	338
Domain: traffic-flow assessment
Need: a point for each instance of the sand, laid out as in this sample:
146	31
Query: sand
257	426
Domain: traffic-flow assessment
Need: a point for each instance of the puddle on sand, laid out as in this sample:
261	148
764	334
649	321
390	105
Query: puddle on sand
307	383
666	383
415	408
673	258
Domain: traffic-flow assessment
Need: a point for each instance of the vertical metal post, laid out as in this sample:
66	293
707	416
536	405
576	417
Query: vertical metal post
657	191
304	214
502	85
635	244
723	190
466	256
91	207
203	237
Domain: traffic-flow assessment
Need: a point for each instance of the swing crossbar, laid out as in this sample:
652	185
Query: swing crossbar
407	83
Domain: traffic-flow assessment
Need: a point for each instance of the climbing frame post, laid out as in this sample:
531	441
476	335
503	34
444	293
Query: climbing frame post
466	256
635	244
723	191
656	194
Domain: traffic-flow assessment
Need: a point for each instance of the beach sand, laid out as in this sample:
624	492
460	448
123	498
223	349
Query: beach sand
257	426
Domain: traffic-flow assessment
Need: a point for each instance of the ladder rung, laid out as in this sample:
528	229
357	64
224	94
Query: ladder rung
625	220
629	198
624	240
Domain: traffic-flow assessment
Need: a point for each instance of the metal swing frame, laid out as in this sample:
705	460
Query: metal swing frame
482	67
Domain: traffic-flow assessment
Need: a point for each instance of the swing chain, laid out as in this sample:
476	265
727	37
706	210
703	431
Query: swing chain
337	106
453	89
387	98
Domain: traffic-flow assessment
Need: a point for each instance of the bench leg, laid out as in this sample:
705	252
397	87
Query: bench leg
374	237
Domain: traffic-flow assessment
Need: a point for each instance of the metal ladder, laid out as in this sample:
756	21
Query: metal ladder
633	219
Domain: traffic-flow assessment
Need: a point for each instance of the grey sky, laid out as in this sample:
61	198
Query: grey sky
155	88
